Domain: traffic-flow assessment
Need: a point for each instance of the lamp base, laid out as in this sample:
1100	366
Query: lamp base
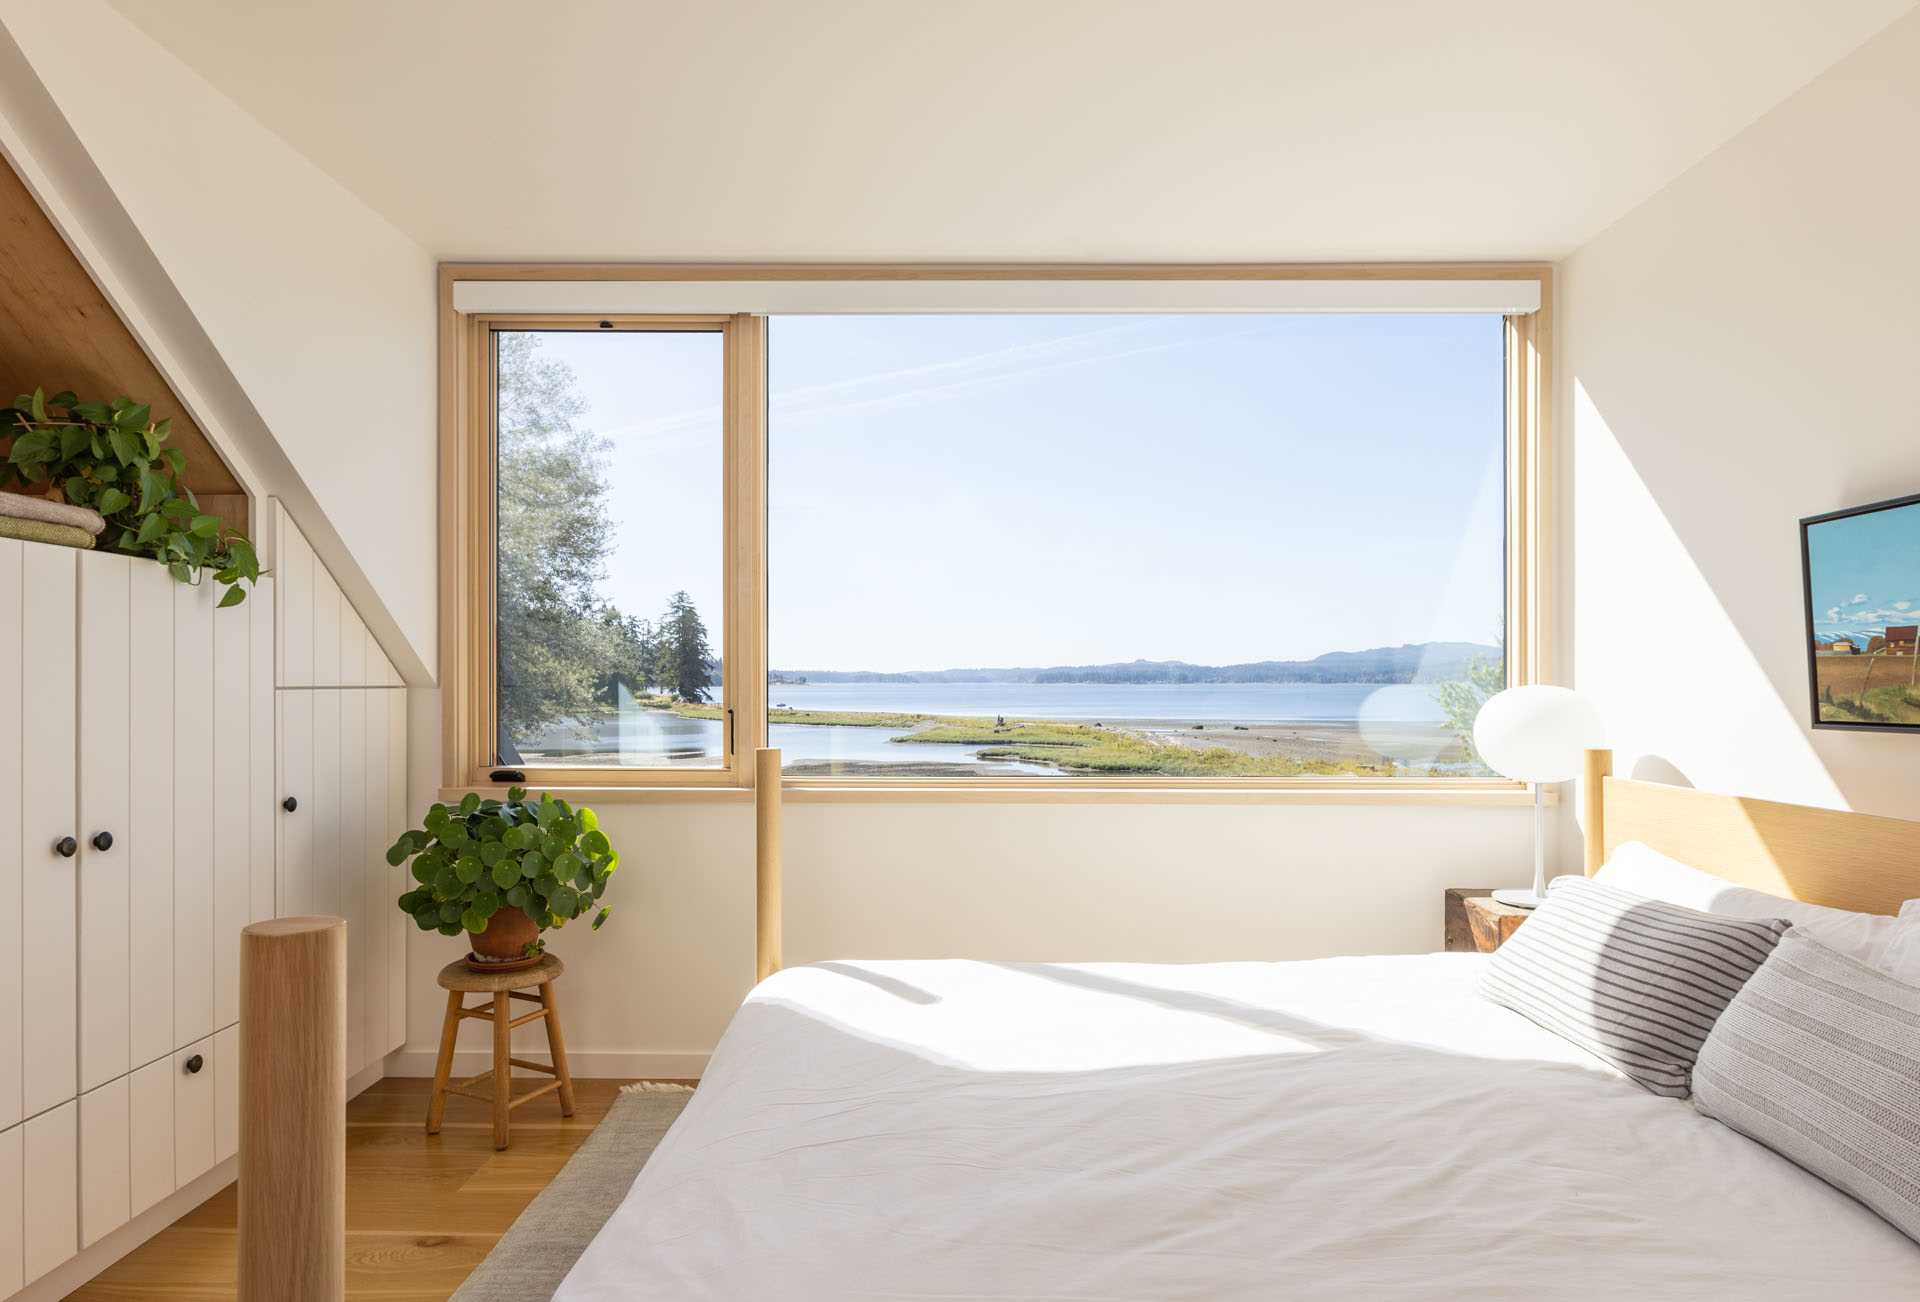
1514	899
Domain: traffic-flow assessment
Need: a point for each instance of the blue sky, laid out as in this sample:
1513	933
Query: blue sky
1865	572
1032	490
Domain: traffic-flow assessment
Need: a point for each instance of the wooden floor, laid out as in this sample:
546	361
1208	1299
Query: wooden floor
421	1210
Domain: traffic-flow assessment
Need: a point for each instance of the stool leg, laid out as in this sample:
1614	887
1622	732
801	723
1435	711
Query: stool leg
502	1069
437	1101
557	1048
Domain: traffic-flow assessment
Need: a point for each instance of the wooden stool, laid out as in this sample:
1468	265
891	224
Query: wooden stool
459	980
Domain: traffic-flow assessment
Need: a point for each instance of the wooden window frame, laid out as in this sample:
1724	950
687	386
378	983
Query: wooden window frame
468	630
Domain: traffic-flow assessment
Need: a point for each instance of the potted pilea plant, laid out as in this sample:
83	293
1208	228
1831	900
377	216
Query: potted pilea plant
109	456
504	871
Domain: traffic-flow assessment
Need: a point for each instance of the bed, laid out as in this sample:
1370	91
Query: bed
1340	1128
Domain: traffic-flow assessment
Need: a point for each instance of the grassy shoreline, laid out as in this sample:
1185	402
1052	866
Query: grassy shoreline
1094	747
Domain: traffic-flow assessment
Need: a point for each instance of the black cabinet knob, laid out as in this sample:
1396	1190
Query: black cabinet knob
103	840
66	847
194	1064
289	804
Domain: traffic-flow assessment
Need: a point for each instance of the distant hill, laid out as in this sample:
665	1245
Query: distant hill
1423	662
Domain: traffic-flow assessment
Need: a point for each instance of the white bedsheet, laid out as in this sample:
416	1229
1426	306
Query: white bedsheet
1346	1128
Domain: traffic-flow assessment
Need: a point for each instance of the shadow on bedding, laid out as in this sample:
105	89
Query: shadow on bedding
880	981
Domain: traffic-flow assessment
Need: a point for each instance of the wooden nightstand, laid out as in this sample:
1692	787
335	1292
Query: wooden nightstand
1476	923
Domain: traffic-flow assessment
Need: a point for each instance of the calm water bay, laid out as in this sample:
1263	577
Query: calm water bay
1178	702
654	737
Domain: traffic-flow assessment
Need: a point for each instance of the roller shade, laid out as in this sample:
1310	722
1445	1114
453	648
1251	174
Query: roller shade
803	297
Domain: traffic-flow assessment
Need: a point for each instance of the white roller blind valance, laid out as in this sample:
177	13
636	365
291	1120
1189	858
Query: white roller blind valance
882	296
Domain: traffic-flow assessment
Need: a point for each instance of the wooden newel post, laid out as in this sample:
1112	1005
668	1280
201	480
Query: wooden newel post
293	1110
766	856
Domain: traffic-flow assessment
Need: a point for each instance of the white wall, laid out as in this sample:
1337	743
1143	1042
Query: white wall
1737	353
322	312
650	992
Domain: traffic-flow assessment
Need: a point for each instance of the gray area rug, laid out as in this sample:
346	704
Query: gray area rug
537	1252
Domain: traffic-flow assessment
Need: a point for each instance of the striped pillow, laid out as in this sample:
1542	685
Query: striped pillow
1632	981
1818	1058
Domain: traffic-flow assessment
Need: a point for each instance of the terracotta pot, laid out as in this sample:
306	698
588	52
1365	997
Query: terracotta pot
509	932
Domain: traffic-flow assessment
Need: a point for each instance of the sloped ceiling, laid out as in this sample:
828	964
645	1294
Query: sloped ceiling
1008	129
58	332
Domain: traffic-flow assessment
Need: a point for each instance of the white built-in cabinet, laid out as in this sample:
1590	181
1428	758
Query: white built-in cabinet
343	725
133	715
170	772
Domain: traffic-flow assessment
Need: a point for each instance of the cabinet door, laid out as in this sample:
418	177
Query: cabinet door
13	1208
194	1107
150	1150
48	899
353	646
296	784
192	811
14	851
326	627
226	1094
378	907
263	802
349	867
50	1168
105	1161
150	820
232	791
294	603
324	873
106	666
399	818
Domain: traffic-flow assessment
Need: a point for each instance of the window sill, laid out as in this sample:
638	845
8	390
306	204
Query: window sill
828	791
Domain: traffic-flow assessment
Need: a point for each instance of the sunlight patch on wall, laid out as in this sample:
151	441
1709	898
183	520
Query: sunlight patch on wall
1657	650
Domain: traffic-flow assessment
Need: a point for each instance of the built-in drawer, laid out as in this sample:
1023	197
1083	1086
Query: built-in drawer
49	1179
150	1152
195	1106
105	1161
13	1210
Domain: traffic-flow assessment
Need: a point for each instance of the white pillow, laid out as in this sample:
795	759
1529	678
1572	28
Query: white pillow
1889	944
1903	951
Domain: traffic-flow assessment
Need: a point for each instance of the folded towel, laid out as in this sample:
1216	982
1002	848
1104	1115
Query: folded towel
60	535
21	507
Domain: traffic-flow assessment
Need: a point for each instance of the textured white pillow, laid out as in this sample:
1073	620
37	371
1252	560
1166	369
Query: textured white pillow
1890	944
1903	951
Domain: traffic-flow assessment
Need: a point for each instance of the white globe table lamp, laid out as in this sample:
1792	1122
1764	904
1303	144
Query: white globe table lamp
1536	734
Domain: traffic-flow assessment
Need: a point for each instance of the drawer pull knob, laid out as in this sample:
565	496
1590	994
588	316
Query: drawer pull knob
289	804
103	840
66	847
194	1064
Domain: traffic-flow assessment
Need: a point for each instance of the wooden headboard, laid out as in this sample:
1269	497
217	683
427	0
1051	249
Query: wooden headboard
1843	860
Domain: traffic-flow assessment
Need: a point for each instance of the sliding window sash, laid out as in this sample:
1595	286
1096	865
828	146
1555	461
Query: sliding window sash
470	649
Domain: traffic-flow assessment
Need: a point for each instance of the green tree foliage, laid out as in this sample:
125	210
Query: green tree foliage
553	543
1462	699
564	650
683	662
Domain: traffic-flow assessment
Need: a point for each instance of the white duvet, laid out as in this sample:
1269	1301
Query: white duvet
1346	1128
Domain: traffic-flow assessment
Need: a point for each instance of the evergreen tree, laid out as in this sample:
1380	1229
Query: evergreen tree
683	660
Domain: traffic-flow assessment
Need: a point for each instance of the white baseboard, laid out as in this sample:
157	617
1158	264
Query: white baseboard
72	1273
611	1066
370	1073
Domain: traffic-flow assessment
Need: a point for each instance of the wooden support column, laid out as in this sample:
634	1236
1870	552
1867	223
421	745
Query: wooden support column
293	1110
766	851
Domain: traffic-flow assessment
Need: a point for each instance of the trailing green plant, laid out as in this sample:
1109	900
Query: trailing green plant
477	857
110	456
